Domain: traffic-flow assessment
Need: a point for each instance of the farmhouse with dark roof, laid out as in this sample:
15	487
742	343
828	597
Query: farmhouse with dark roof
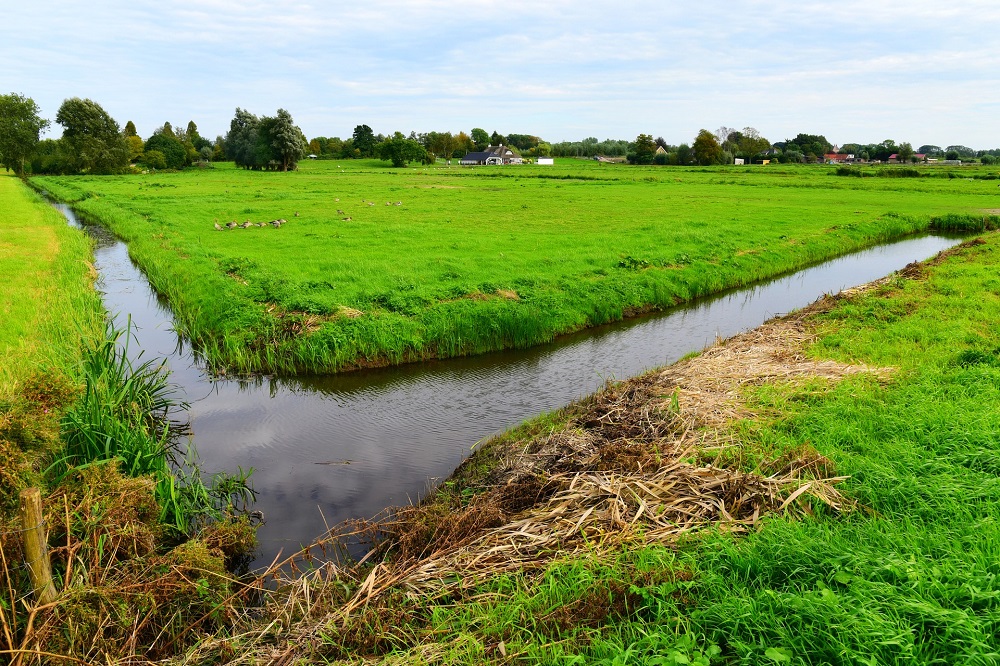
492	155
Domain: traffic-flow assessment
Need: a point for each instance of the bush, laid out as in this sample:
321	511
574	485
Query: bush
154	159
851	171
901	172
171	148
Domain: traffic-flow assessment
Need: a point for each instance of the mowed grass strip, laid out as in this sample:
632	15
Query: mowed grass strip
378	266
47	304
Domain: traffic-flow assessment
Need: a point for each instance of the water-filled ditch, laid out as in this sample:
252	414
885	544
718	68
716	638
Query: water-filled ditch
328	448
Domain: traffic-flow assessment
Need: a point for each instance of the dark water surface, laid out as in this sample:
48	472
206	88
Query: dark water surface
328	448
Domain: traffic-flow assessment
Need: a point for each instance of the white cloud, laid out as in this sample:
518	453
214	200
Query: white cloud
558	69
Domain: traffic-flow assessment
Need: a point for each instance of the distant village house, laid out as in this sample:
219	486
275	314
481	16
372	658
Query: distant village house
919	157
492	155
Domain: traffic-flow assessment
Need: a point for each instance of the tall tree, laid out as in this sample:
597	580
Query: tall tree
480	137
136	146
286	141
130	129
722	134
815	145
751	143
400	150
464	143
219	149
706	148
241	141
173	151
95	141
364	140
905	152
197	140
20	129
643	150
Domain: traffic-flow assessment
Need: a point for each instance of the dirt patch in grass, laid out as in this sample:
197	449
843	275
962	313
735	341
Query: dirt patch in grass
349	313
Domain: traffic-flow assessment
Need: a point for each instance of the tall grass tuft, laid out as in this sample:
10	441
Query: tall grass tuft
125	415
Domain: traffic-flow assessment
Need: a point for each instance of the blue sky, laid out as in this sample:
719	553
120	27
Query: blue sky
913	70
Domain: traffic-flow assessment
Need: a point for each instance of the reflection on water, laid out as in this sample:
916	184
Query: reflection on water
328	448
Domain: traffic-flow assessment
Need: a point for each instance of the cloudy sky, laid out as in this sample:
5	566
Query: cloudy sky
927	72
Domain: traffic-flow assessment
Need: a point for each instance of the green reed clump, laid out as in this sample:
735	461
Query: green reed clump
899	172
965	223
853	172
125	415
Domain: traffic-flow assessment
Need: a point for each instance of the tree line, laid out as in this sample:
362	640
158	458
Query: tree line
364	142
93	142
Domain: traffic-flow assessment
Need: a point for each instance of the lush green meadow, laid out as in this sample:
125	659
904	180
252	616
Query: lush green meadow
48	307
477	259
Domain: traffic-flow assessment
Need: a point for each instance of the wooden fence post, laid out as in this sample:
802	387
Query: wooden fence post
36	550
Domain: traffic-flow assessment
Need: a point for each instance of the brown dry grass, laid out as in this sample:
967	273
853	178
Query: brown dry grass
622	469
119	598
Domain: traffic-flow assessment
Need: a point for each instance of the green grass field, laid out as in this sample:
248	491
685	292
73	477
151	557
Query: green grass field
48	307
477	259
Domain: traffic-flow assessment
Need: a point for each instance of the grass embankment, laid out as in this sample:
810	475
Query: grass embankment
822	490
480	259
48	307
86	427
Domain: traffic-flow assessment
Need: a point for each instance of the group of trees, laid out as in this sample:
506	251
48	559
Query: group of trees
168	148
591	146
93	142
364	142
274	142
20	130
707	148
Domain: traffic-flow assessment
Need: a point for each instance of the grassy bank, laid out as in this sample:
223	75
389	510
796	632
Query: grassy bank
139	546
822	490
48	307
49	312
472	260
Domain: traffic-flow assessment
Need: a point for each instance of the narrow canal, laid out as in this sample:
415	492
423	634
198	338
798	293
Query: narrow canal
328	448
